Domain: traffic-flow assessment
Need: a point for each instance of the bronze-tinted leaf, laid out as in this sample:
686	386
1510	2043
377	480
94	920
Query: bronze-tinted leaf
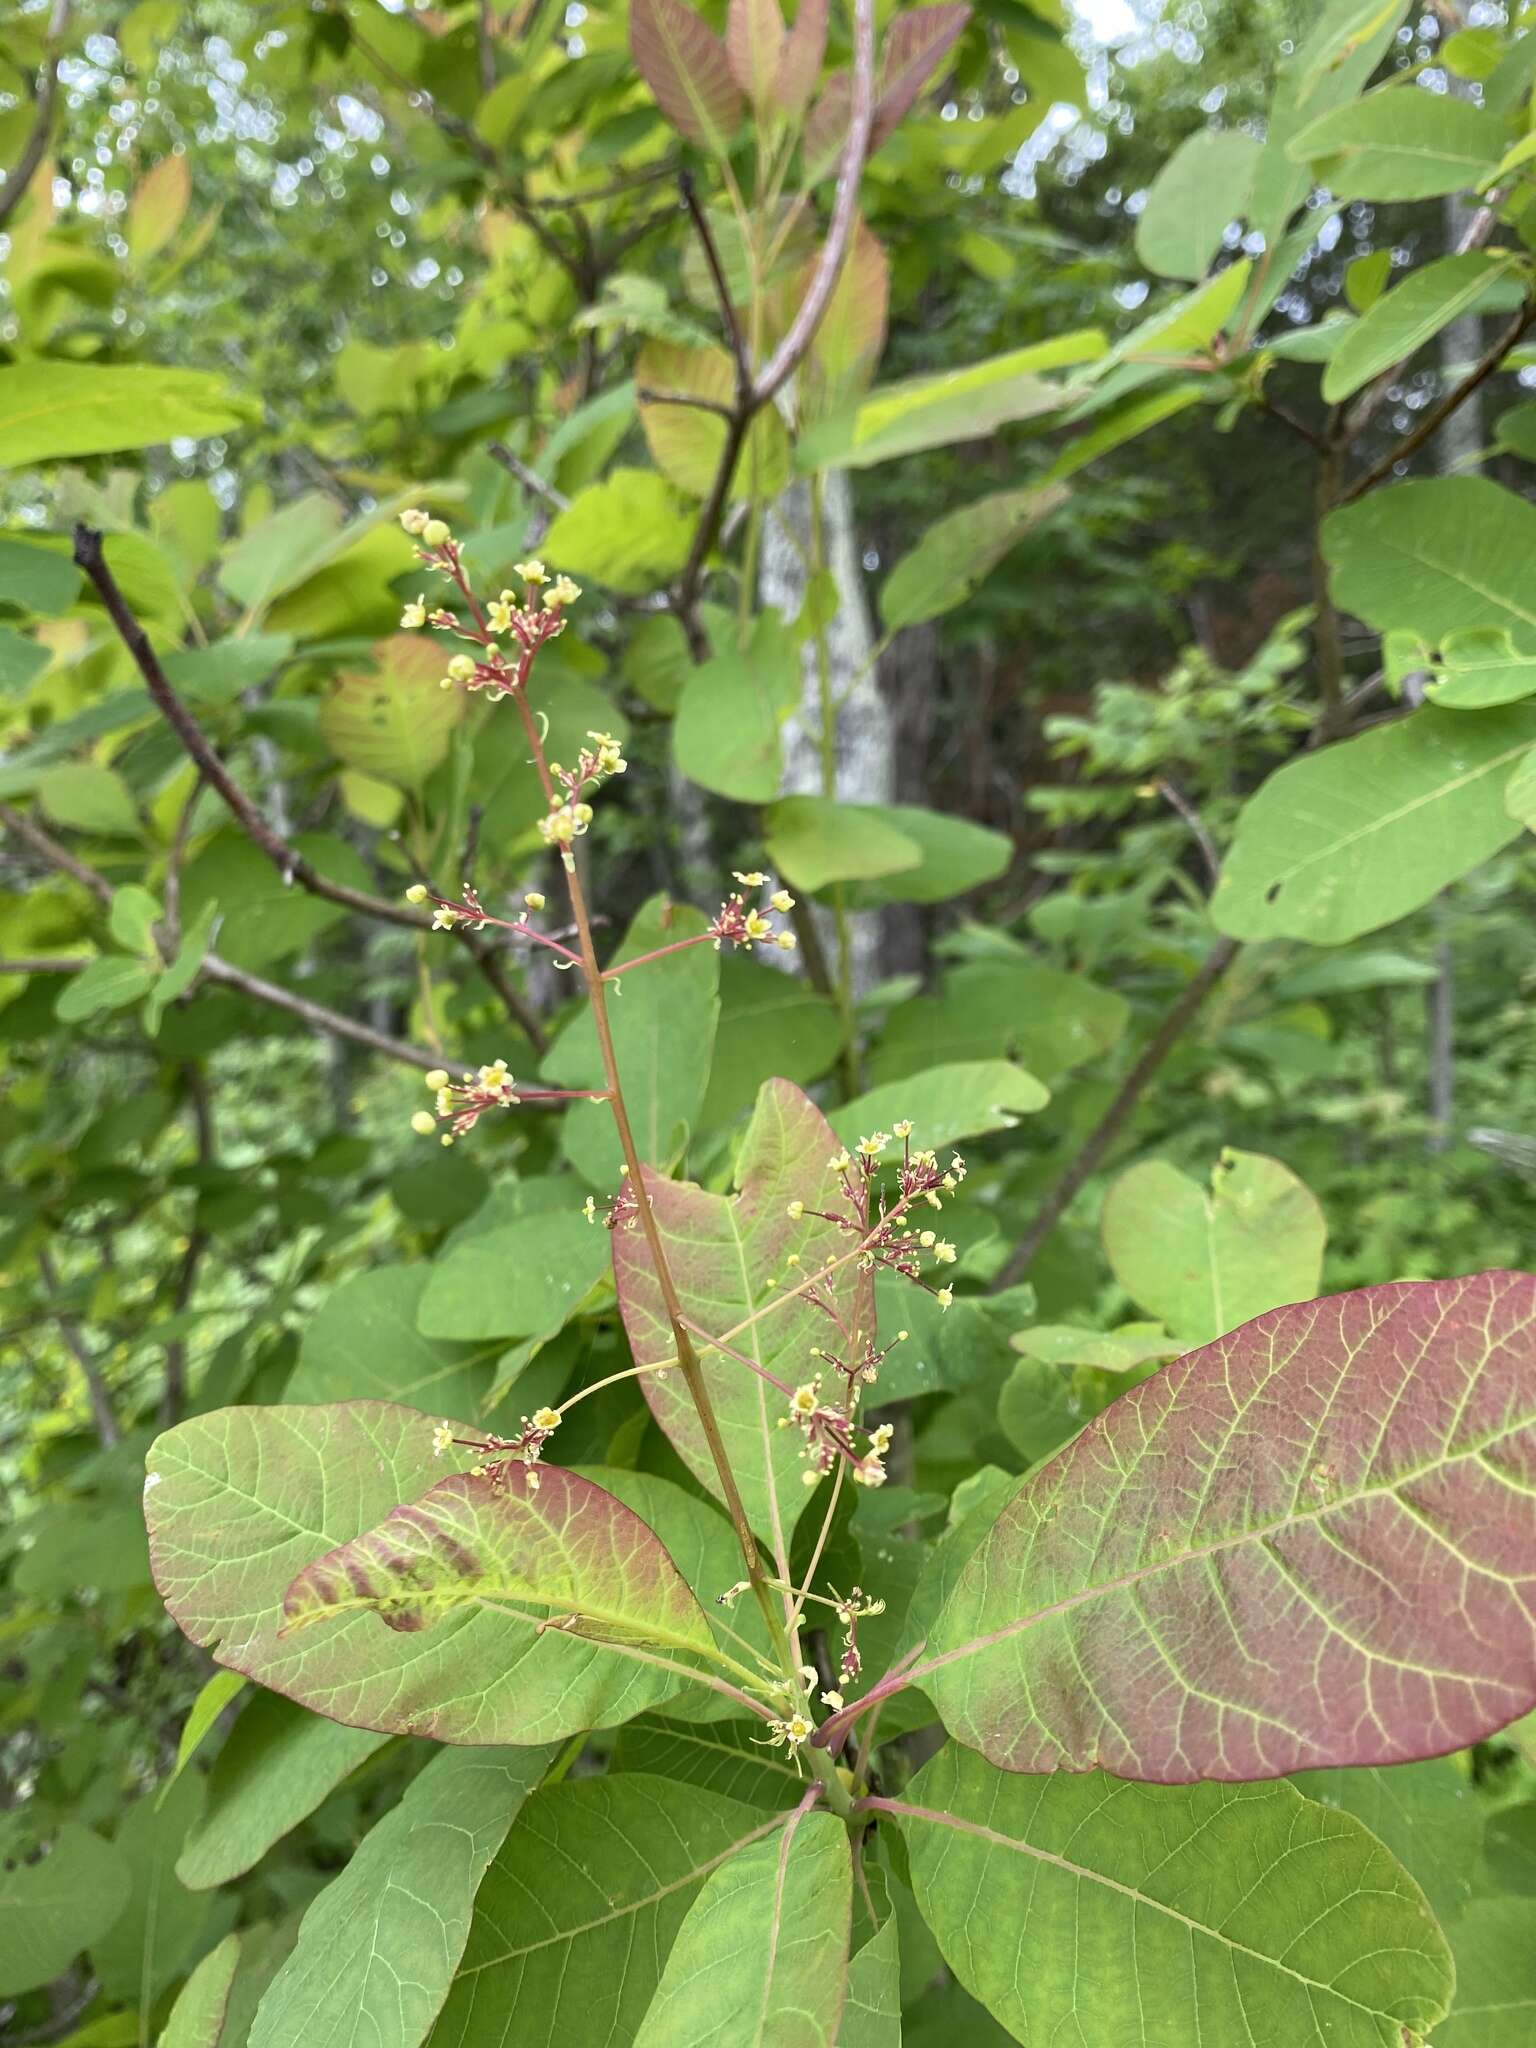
684	63
1311	1542
804	49
754	45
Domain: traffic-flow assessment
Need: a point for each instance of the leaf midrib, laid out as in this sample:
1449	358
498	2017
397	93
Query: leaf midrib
1259	1533
905	1811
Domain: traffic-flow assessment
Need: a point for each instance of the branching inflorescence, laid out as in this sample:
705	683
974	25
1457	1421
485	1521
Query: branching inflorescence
879	1207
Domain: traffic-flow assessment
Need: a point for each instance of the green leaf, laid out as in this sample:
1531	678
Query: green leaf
815	841
378	1949
1400	142
872	2014
1120	423
38	579
945	1104
22	661
110	983
1400	322
279	1762
89	797
1137	1914
197	2017
726	733
1203	1263
266	919
959	552
52	408
364	1342
56	1905
848	341
132	918
1520	792
1349	839
762	1956
184	969
1186	325
241	1500
1122	1350
282	551
729	1757
684	63
1366	279
577	1913
1038	1411
148	1945
995	1009
957	856
529	1276
663	1019
770	1024
1303	1545
957	405
1436	557
1495	2004
215	1696
724	1251
631	532
395	721
1430	1815
1203	186
1482	668
217	674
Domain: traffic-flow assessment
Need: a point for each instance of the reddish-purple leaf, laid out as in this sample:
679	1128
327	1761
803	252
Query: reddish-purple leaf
1312	1542
915	45
754	45
826	128
684	63
805	47
729	1256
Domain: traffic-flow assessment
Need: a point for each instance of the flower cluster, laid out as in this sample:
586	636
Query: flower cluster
850	1612
498	1452
569	816
738	925
829	1435
461	1104
529	620
886	1236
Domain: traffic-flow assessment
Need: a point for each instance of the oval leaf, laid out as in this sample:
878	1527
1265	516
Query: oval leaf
1312	1542
1133	1906
684	63
396	722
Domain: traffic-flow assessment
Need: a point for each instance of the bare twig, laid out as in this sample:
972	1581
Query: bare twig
740	357
1110	1124
528	478
646	396
1197	825
48	848
19	176
1436	416
59	966
287	859
103	1415
317	1015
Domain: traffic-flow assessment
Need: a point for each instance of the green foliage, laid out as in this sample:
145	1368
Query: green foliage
579	1491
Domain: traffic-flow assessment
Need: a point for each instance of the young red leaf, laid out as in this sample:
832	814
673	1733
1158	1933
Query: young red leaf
730	1255
518	1538
846	346
754	45
684	63
1312	1542
804	49
915	45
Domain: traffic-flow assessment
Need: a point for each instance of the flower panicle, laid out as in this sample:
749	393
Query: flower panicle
497	1454
737	923
527	619
460	1104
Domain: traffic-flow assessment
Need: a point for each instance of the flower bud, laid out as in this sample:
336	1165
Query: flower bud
438	1078
414	521
436	533
462	668
417	893
424	1123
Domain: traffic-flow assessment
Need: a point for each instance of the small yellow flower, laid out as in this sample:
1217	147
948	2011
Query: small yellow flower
444	918
589	1209
438	1078
834	1700
903	1129
531	571
752	879
795	1211
840	1161
786	942
534	900
546	1418
944	1297
442	1439
424	1123
872	1146
414	521
803	1401
436	533
462	668
495	1075
944	1253
928	1240
781	901
560	593
758	926
415	614
417	893
498	615
796	1730
445	1101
